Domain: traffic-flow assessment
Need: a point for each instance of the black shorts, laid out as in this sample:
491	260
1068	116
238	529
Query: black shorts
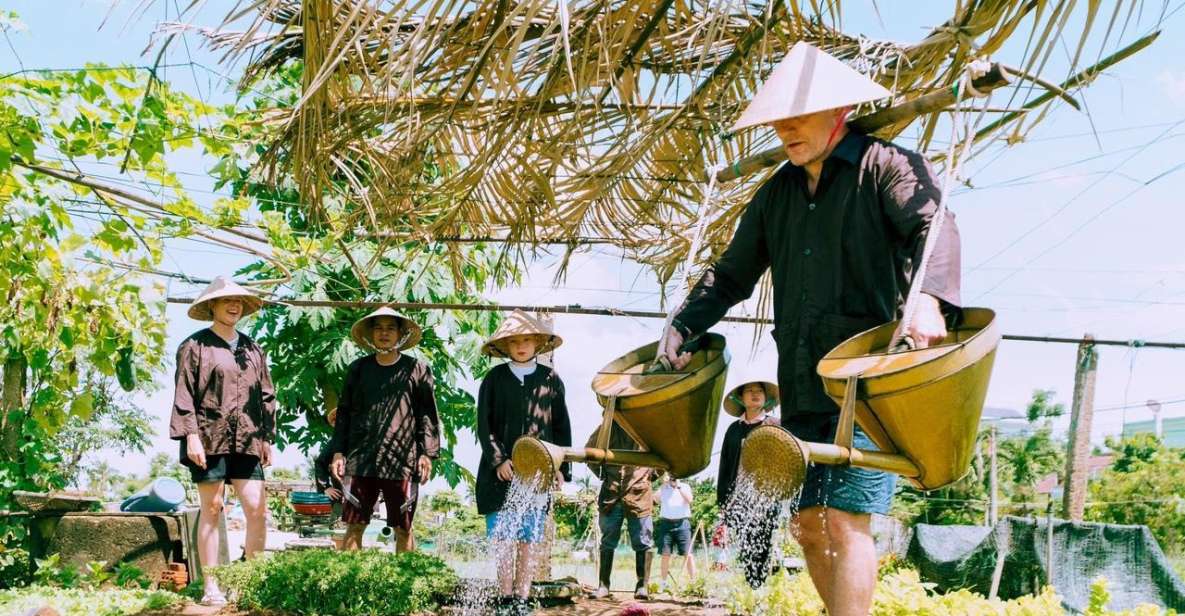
225	467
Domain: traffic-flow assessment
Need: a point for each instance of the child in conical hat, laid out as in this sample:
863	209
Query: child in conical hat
520	397
751	403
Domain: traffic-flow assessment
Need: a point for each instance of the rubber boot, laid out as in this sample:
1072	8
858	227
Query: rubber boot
606	571
642	564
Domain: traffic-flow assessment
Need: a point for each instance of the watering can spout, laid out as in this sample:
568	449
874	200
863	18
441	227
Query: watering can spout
538	461
670	414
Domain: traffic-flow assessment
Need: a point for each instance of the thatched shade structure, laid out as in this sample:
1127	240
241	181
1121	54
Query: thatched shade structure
561	121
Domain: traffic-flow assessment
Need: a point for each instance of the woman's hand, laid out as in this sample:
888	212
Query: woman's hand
265	457
505	471
337	468
425	469
195	451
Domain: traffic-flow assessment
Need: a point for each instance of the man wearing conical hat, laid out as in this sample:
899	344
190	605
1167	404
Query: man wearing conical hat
387	432
224	415
841	226
518	398
751	403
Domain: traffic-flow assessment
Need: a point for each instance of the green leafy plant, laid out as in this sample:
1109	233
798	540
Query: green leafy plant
692	588
95	574
1121	494
127	575
902	593
83	602
331	583
16	564
50	571
283	515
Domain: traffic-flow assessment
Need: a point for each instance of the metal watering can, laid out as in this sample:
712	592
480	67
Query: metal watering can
671	415
921	407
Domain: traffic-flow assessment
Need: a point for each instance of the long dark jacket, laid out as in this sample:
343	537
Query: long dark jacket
225	397
386	418
508	409
730	455
628	485
840	259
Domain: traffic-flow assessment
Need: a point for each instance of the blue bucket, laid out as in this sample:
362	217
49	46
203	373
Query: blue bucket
161	495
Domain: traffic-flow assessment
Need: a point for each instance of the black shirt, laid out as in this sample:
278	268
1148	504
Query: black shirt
840	260
386	418
508	409
730	455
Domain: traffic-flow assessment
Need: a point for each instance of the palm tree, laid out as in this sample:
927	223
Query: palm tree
1028	459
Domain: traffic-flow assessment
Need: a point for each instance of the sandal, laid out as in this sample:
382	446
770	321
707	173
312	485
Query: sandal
213	600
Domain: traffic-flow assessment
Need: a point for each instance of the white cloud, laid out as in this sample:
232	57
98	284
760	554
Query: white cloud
1172	84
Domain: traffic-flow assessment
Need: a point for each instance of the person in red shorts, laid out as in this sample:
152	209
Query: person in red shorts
387	432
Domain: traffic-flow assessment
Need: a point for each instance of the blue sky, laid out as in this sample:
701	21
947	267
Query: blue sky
1078	229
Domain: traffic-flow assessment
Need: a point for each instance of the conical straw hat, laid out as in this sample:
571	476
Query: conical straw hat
361	331
734	406
808	80
519	323
220	287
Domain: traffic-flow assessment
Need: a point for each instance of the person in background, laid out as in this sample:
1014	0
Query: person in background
751	402
224	415
626	497
387	431
520	397
674	525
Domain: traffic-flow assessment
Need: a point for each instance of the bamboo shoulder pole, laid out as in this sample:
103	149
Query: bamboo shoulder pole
827	453
617	457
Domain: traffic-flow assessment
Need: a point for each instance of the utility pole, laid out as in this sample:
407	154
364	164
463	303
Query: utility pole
1086	367
994	507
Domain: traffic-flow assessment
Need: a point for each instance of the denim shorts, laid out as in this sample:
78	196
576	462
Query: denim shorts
674	536
846	488
525	527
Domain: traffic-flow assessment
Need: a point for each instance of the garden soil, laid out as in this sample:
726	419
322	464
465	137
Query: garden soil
582	607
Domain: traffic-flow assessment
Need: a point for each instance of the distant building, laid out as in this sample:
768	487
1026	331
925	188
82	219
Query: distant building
1008	422
1173	430
1051	483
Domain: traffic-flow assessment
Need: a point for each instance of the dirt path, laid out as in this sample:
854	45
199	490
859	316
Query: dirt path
594	607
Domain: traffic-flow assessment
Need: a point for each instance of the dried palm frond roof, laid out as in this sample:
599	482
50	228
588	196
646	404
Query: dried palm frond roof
555	120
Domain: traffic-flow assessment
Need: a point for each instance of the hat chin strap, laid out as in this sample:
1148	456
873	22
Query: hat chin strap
838	125
392	348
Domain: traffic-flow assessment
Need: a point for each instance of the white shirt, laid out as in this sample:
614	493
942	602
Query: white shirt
760	418
673	504
522	370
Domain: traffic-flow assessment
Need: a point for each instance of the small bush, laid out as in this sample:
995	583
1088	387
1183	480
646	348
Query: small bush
330	583
79	602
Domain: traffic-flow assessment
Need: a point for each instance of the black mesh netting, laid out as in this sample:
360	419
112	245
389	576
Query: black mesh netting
1136	569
